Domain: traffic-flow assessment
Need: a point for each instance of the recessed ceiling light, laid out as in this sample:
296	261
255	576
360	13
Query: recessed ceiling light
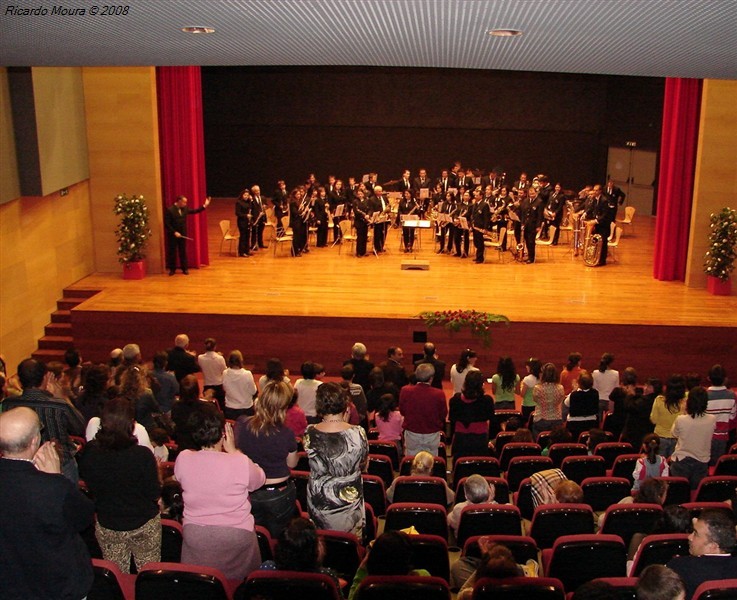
198	29
504	32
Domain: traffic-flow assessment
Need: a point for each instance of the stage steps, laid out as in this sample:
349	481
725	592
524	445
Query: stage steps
58	333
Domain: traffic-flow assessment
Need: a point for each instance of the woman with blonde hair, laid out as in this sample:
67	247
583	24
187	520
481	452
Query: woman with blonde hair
268	442
422	466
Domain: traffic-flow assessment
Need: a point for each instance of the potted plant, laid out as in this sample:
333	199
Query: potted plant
478	323
132	234
719	259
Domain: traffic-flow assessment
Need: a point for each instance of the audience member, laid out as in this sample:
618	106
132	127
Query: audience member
394	371
274	372
159	438
673	519
168	384
497	562
723	405
378	386
605	381
389	421
424	410
548	396
533	366
658	582
665	410
181	360
171	503
504	384
466	363
478	491
559	434
361	365
212	364
650	463
133	385
430	357
693	432
240	389
306	389
92	393
189	401
571	372
295	418
471	414
422	466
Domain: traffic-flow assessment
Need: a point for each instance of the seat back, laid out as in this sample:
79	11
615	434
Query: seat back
265	542
407	587
426	518
558	452
486	519
501	489
381	466
343	552
371	525
723	589
629	213
695	508
625	520
583	437
474	465
624	587
374	493
658	549
609	451
224	227
513	449
438	468
578	468
429	490
624	466
679	490
430	552
514	588
170	581
523	547
726	465
601	492
300	479
717	488
109	582
550	521
345	228
387	449
523	499
522	467
288	585
171	541
576	559
502	438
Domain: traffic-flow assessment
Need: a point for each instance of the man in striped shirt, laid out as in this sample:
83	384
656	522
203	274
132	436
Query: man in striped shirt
723	406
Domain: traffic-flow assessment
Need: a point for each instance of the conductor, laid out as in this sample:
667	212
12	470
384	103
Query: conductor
175	223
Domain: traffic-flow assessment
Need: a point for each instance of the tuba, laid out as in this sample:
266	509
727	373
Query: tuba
592	250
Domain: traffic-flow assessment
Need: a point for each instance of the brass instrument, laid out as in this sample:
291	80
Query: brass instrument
521	250
579	233
305	208
592	250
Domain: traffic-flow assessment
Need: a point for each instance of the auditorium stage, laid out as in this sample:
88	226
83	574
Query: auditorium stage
314	307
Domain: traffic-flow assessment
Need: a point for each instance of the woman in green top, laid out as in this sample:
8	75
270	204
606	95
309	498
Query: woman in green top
390	554
665	410
533	367
504	384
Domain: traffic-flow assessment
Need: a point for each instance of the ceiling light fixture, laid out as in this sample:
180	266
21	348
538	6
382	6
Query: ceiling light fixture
504	32
198	29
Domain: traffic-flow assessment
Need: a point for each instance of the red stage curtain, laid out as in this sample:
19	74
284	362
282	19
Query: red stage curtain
678	144
182	143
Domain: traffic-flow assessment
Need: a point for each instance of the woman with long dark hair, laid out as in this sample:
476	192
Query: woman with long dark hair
124	479
244	216
606	380
665	410
693	431
471	414
466	363
504	383
268	442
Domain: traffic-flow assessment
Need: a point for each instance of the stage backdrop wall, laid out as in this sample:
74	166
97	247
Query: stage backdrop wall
264	124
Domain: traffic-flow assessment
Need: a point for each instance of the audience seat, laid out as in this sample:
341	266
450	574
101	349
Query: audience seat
171	541
624	466
513	449
387	449
625	520
522	499
110	583
658	549
695	508
624	587
502	439
488	519
516	588
725	589
426	518
288	585
679	490
522	467
300	479
551	521
609	451
371	526
558	452
406	587
429	490
523	547
303	463
501	489
381	466
601	492
175	581
439	467
474	465
578	468
583	437
716	488
343	552
726	465
265	543
430	552
576	559
374	493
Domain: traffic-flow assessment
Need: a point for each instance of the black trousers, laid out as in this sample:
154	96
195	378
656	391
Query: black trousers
530	234
361	237
177	245
478	243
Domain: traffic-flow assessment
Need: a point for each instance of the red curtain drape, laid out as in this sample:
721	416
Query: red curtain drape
182	143
678	144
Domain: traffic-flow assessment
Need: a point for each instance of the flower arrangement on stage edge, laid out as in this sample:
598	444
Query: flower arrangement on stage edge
719	259
133	232
478	322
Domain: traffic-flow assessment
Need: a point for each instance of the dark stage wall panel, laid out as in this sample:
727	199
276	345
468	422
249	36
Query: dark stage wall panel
651	350
263	124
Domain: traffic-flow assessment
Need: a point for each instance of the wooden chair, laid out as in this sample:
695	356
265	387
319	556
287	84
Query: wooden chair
227	235
629	214
496	244
613	243
345	235
548	244
286	238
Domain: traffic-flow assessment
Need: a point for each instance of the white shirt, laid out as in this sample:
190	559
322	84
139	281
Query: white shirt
457	378
307	391
139	431
239	388
605	382
212	364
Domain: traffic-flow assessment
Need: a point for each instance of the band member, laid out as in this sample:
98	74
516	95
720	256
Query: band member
464	181
362	214
531	213
422	181
480	217
444	181
259	219
446	207
409	207
175	225
380	204
521	184
499	206
320	214
336	198
405	183
515	207
311	184
492	179
244	218
605	210
462	235
350	191
553	213
299	209
280	199
371	183
616	194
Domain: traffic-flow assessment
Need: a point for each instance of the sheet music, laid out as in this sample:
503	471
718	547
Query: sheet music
463	223
339	210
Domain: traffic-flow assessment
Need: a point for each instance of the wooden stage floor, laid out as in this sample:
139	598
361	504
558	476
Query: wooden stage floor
326	286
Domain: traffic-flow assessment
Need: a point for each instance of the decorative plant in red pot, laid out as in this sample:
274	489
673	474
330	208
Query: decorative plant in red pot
132	234
719	259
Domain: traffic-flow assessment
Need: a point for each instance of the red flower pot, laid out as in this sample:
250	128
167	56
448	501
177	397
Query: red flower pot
134	270
718	287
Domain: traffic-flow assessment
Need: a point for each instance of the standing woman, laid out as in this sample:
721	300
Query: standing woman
338	453
583	406
548	396
504	384
471	413
408	206
320	211
362	215
466	363
134	386
216	482
212	365
298	214
462	237
665	410
243	215
240	389
268	442
124	479
533	367
694	431
569	374
605	380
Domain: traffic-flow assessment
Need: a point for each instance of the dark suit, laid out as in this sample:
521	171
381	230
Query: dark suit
531	217
175	220
41	552
465	182
418	183
381	205
259	218
480	217
616	194
181	362
605	211
404	184
244	215
437	380
394	373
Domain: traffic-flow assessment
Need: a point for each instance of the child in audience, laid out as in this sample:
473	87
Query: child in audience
295	418
389	420
650	463
171	503
159	438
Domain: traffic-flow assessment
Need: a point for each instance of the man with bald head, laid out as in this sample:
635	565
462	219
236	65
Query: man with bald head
41	552
180	360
